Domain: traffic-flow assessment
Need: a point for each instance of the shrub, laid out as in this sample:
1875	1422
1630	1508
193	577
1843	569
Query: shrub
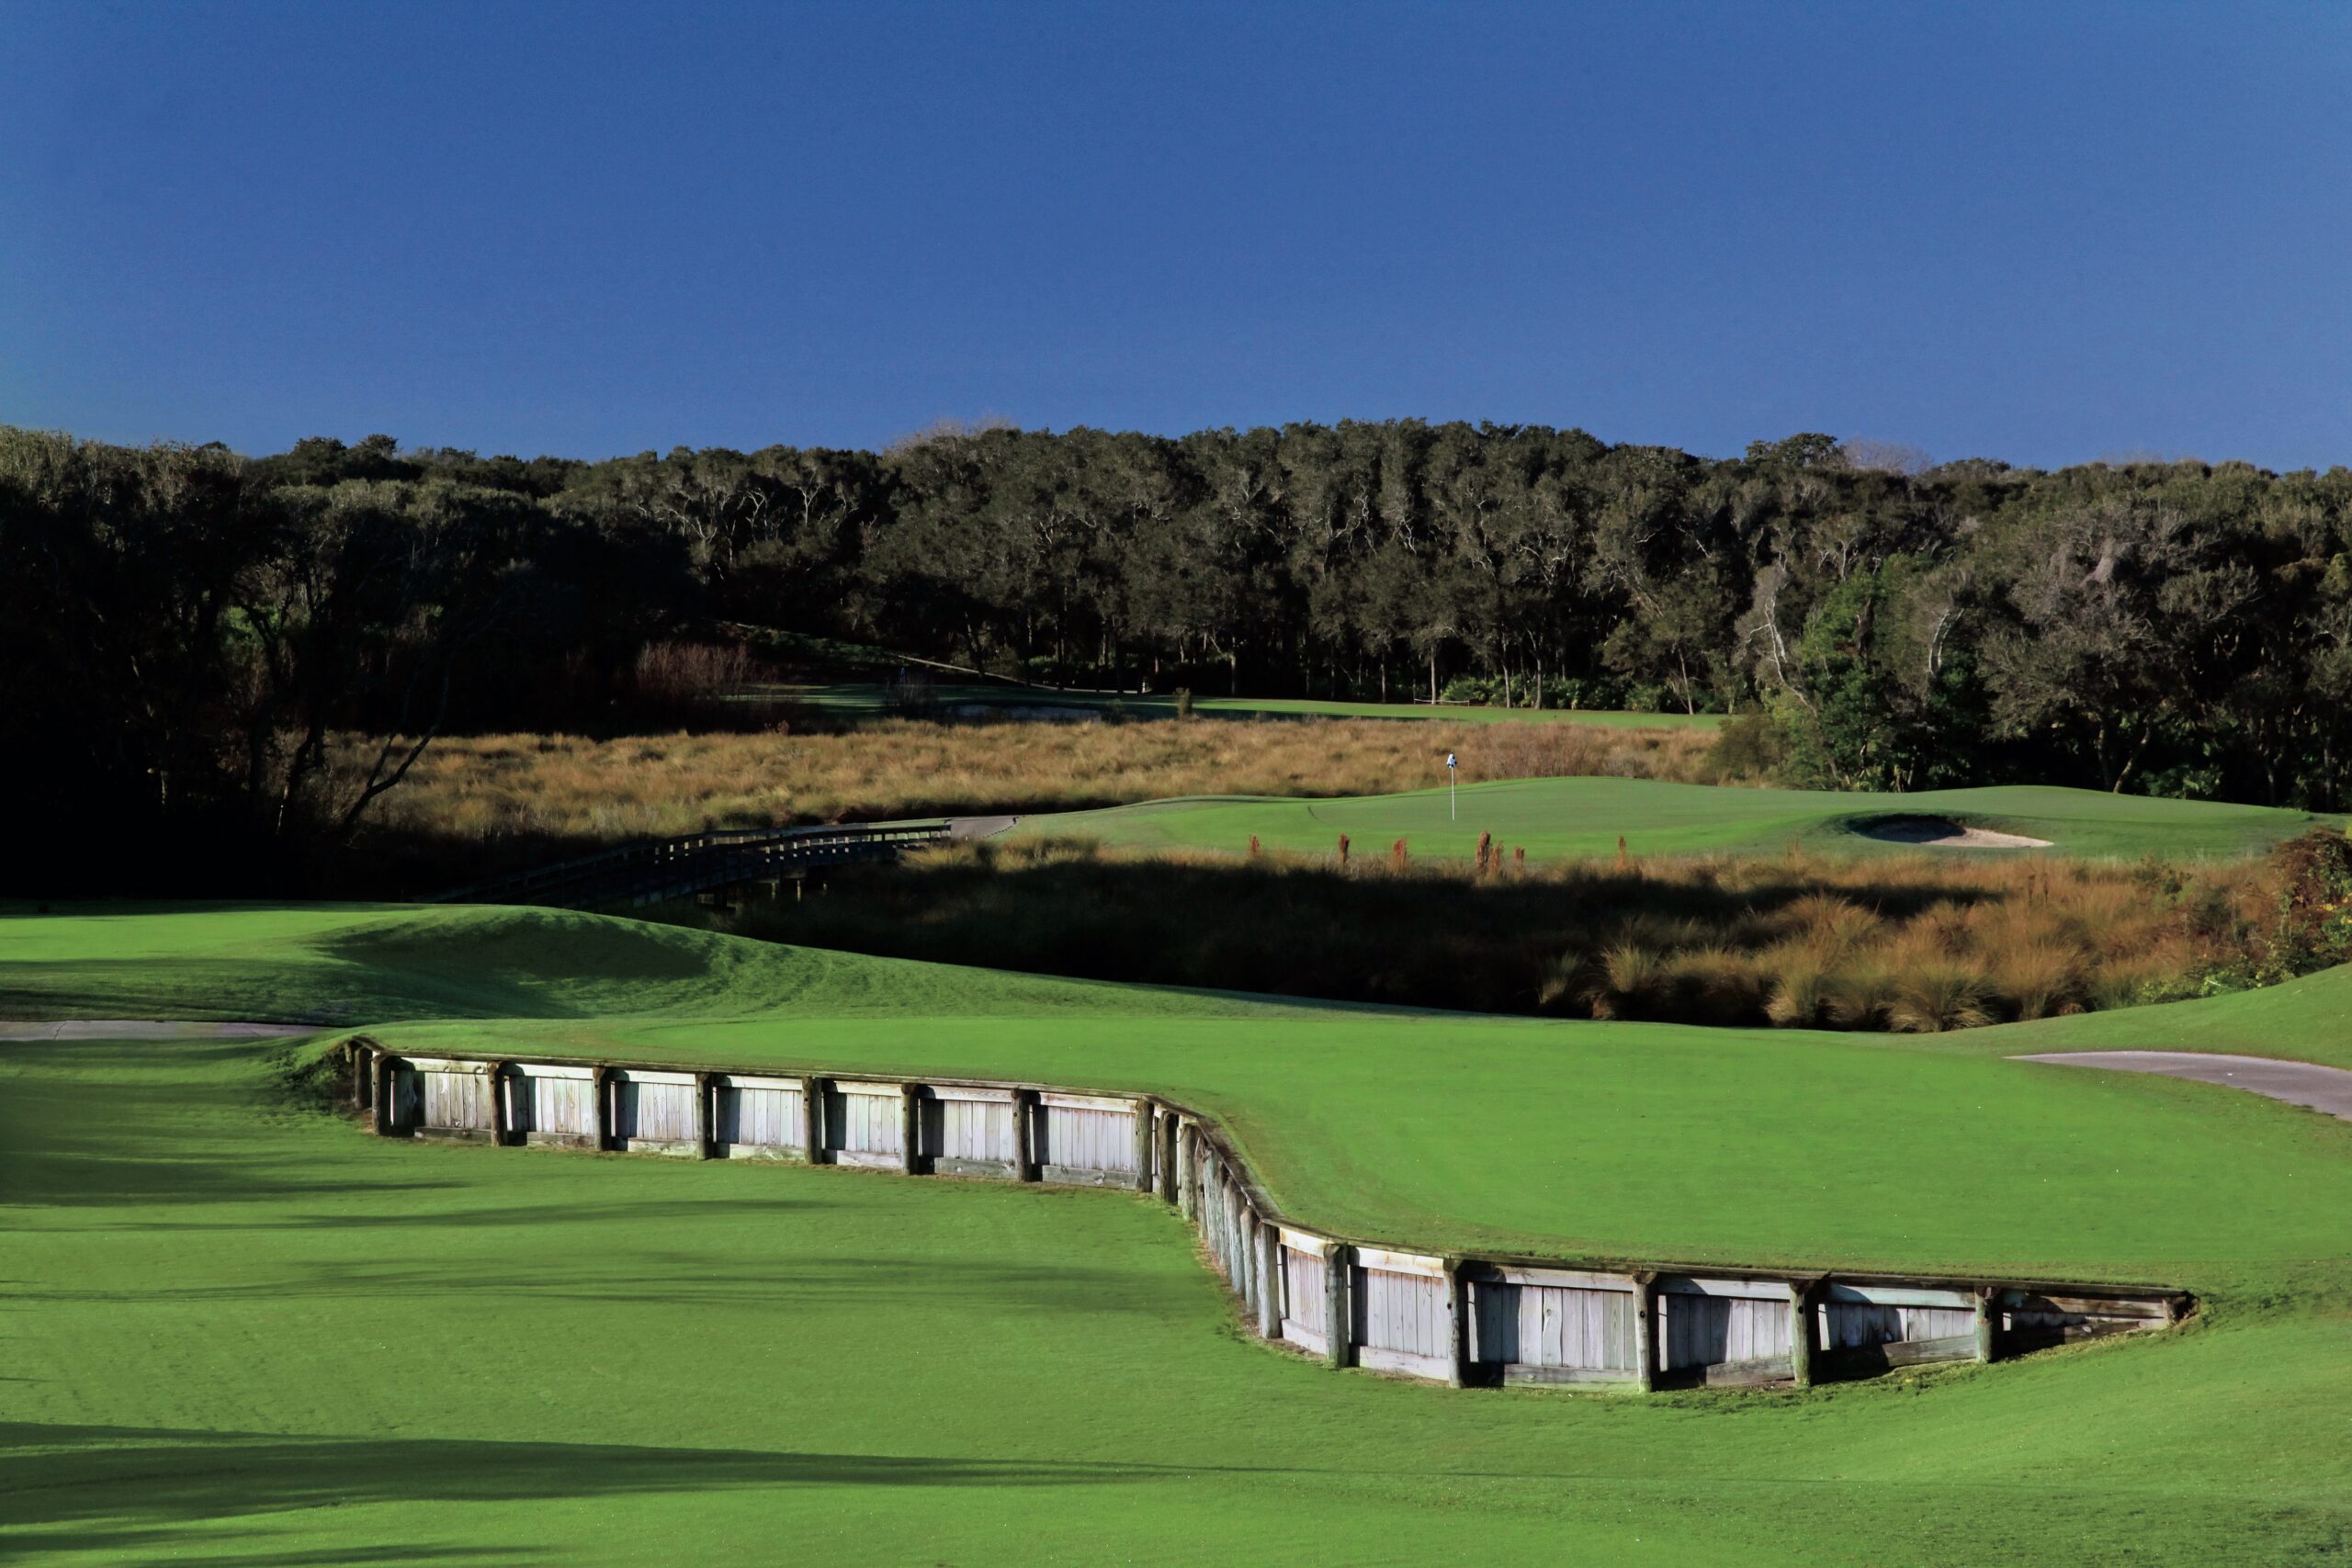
1747	749
2039	981
1914	942
2312	928
1932	998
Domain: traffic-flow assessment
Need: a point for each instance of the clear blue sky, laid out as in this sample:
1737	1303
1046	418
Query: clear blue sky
2046	232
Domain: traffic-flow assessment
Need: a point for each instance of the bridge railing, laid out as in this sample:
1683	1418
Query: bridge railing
656	869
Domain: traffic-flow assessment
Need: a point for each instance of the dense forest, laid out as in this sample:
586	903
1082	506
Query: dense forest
182	629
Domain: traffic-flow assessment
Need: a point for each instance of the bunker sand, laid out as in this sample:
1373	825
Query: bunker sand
1942	833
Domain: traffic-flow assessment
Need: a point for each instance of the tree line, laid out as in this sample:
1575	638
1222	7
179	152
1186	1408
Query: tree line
182	627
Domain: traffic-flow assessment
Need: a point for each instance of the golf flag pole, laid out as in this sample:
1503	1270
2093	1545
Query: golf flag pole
1449	786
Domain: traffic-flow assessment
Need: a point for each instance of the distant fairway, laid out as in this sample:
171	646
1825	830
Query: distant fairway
240	1329
1585	817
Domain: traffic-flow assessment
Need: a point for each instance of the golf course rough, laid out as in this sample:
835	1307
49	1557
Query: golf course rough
240	1333
1585	818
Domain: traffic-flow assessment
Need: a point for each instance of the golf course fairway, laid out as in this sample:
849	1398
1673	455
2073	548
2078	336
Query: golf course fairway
241	1330
1585	818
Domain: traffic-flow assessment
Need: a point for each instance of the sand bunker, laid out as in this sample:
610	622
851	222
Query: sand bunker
1943	833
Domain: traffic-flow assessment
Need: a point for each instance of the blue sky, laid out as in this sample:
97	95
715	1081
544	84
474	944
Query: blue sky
2043	232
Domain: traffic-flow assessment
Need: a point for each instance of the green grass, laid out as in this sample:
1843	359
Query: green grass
1585	818
851	699
239	1330
240	1333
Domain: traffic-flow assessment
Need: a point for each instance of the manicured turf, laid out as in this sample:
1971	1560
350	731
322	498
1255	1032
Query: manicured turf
1585	818
860	700
240	1329
1611	1140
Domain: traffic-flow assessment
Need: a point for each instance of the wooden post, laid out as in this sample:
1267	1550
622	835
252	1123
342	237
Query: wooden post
1801	1332
383	1073
497	1103
1986	1320
1646	1332
1188	1165
911	1128
812	1120
1166	1121
706	1119
1144	1141
1457	1325
1245	1256
1270	1271
1026	1108
1338	1320
604	1093
363	1076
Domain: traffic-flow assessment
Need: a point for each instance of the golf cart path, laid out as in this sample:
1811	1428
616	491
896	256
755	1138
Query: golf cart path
150	1029
2297	1083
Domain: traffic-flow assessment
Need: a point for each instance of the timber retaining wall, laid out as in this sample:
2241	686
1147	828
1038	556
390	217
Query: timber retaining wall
1467	1320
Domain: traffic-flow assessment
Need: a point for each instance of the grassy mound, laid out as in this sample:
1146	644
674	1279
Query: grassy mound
369	963
1586	817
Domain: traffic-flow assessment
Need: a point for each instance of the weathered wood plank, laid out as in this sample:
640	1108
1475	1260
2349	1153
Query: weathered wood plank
1857	1361
1520	1375
1405	1363
1087	1101
1841	1292
1724	1289
1571	1279
1401	1262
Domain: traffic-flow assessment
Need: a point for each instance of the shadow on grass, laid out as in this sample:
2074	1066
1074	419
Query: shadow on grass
154	1492
538	1216
1315	936
145	1124
681	1278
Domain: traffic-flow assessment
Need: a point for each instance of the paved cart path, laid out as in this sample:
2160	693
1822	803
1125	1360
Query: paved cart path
2297	1083
150	1029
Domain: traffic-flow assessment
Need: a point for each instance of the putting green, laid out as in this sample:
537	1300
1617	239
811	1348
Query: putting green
241	1331
1586	817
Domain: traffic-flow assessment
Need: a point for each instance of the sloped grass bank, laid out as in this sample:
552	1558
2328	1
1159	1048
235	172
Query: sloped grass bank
1780	1147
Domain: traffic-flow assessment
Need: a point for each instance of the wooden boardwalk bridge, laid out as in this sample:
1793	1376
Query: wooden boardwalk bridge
659	869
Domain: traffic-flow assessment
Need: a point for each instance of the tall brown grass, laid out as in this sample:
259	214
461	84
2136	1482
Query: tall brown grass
1910	943
476	804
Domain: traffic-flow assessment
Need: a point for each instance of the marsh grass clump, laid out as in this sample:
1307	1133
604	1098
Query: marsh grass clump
1910	943
474	805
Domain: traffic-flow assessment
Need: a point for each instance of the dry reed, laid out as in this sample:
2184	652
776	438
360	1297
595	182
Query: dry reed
482	803
1910	943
